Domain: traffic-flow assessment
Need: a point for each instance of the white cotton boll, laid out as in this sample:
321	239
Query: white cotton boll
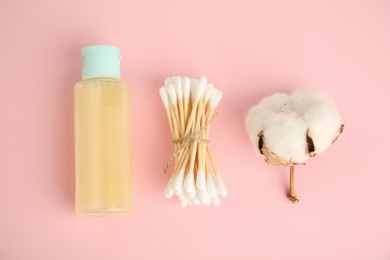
221	188
320	113
284	133
278	102
256	121
287	130
285	136
285	121
302	100
324	123
257	116
178	181
201	179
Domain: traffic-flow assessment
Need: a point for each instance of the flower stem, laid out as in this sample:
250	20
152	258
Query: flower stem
291	193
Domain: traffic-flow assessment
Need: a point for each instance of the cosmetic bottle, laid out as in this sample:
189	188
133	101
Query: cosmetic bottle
102	143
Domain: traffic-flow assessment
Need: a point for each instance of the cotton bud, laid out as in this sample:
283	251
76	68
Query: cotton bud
288	129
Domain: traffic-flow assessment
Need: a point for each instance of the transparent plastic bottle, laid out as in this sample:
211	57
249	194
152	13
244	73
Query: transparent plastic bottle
102	145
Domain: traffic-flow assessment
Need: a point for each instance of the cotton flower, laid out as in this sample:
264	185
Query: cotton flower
288	129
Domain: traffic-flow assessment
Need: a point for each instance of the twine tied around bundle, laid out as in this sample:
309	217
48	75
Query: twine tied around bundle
185	141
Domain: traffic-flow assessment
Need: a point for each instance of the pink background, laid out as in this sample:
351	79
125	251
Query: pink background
248	49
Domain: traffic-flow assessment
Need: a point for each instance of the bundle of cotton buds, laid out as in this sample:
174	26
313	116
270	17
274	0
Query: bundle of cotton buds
288	129
190	105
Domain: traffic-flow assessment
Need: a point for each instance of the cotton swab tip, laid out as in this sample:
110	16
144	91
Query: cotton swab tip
172	94
203	196
203	81
195	201
202	85
191	195
201	179
164	97
184	203
213	98
178	182
179	192
219	98
208	92
212	190
221	188
186	88
216	201
178	88
182	196
195	91
169	191
189	183
193	82
167	81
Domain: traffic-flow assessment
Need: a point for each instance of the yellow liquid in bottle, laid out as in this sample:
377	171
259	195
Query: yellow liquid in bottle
102	147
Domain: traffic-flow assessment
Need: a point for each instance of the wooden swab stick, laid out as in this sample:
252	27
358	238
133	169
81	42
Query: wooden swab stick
182	161
165	100
180	105
212	160
200	180
186	96
196	93
204	135
193	155
194	128
173	98
190	109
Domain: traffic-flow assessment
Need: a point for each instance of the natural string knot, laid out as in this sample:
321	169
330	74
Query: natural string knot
186	141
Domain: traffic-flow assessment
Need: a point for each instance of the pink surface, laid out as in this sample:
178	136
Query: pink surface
248	49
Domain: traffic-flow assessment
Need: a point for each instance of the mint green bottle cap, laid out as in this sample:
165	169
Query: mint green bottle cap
101	61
